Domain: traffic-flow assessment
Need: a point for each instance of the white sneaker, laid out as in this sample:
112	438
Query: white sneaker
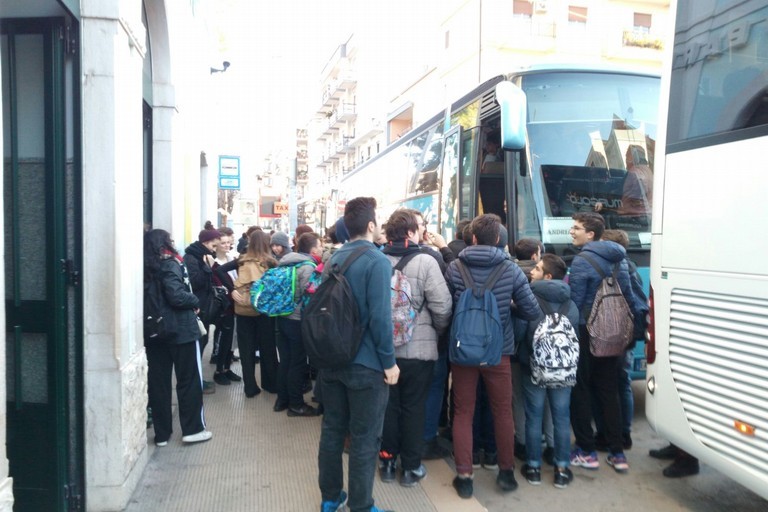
162	443
203	435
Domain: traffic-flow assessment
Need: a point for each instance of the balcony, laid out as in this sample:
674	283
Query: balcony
365	130
639	38
302	154
343	113
301	134
345	146
302	175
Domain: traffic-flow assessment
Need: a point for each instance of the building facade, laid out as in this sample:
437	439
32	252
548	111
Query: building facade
99	115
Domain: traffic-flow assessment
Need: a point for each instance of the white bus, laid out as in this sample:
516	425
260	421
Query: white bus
707	380
566	132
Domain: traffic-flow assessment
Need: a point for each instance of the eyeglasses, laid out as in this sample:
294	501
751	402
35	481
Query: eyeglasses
576	228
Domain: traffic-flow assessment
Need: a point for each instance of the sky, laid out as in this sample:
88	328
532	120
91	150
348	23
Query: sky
277	50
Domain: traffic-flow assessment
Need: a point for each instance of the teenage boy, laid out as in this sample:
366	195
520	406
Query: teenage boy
480	261
355	396
598	373
552	293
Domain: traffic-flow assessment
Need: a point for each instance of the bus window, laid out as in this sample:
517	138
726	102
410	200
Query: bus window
426	179
468	144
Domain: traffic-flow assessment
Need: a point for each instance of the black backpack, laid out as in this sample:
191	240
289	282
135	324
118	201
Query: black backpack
159	321
330	322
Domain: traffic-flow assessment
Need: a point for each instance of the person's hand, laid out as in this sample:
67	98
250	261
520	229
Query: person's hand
391	375
239	298
437	240
598	206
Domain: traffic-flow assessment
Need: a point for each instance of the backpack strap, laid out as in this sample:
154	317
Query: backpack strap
350	259
400	266
489	284
594	264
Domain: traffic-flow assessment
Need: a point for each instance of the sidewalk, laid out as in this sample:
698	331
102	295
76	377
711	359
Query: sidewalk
259	460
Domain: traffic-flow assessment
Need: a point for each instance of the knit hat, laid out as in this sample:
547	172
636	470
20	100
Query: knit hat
207	235
342	235
280	238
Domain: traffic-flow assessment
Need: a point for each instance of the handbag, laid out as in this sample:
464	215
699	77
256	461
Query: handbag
218	304
201	327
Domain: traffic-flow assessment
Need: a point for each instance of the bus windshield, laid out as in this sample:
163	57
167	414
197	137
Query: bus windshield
592	138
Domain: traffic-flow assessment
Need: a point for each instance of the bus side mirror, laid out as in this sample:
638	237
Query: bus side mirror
512	101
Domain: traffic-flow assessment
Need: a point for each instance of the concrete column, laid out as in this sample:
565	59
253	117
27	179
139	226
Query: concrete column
115	363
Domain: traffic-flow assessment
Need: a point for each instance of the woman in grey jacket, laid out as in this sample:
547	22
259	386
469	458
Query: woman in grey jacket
404	418
166	276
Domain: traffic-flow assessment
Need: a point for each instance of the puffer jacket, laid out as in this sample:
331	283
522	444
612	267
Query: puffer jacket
584	279
555	293
303	272
174	282
512	286
430	293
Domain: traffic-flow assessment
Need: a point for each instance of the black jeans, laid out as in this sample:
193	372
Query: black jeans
598	374
293	363
404	419
354	398
250	330
225	331
162	360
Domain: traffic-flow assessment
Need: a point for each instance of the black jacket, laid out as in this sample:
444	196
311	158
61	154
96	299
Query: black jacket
174	284
200	274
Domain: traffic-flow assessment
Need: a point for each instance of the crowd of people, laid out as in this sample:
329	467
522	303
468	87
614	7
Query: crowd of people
389	405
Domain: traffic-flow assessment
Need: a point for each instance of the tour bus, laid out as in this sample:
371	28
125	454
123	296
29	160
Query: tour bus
707	379
566	132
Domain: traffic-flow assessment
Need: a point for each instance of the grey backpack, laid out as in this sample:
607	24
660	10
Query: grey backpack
610	323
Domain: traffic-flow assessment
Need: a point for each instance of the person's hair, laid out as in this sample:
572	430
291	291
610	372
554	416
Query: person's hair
466	234
486	229
554	265
330	234
357	214
616	235
251	229
460	228
208	225
300	230
226	231
307	242
258	248
400	223
591	222
156	242
525	248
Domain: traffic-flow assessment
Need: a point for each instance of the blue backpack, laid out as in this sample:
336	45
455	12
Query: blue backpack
275	293
477	335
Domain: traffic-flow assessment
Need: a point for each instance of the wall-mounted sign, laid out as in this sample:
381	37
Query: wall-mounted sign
281	209
229	172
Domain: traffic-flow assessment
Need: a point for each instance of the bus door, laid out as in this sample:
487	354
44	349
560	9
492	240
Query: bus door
450	201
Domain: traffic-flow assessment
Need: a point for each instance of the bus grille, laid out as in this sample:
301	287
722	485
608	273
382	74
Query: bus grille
718	351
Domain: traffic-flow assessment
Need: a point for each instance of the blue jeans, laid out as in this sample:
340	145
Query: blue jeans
626	398
355	399
560	405
436	396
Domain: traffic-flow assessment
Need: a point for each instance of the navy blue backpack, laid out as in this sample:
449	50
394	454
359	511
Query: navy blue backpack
477	335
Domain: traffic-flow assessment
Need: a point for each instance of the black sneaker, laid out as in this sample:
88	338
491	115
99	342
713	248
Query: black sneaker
668	452
411	477
387	467
532	475
683	466
303	411
464	487
549	455
233	376
490	460
563	477
280	406
221	379
506	480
